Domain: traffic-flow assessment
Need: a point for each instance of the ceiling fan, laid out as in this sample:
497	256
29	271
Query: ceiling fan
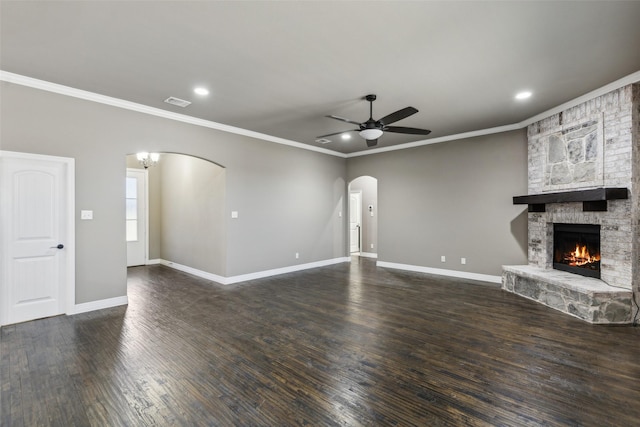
371	130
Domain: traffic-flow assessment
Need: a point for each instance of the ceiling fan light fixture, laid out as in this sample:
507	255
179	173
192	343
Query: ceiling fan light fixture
370	134
372	129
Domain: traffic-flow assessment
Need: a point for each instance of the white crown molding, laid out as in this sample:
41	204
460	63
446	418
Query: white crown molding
120	103
140	108
620	83
457	136
627	80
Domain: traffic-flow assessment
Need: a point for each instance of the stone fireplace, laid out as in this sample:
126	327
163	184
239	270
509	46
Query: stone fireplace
583	184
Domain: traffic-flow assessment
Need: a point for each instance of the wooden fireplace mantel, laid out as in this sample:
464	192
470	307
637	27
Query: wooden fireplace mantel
594	199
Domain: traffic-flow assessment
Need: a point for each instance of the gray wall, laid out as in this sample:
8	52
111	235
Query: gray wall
288	199
368	186
192	213
155	213
452	199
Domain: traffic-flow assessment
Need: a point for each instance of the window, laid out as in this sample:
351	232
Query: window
132	209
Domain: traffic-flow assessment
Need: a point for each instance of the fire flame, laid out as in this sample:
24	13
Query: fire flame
581	256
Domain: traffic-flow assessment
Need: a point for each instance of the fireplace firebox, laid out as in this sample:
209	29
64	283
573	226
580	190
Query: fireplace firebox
576	249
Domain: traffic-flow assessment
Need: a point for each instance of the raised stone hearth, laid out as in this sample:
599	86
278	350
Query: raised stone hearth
583	169
586	298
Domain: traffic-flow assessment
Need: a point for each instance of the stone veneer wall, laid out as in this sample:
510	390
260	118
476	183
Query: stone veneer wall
635	192
594	144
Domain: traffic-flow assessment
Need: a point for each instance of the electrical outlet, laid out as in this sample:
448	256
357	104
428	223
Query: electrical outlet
297	255
372	246
443	259
463	260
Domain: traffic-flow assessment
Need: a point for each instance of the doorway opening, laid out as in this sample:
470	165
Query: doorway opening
363	217
182	221
136	217
355	221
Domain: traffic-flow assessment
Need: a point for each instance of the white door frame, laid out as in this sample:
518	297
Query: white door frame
359	193
68	288
145	204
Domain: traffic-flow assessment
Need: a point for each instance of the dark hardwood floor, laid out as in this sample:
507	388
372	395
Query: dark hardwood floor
344	345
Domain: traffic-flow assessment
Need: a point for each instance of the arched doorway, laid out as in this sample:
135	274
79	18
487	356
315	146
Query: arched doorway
363	217
185	201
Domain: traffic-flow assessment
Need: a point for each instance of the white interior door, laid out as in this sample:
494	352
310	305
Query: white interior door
37	250
355	220
136	217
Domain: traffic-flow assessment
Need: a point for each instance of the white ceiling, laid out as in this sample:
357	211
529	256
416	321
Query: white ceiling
279	67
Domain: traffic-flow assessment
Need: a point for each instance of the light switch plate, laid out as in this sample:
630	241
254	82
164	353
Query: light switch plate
234	214
86	214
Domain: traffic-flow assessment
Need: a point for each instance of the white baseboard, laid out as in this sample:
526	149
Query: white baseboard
441	272
290	269
252	276
99	305
368	255
194	271
154	261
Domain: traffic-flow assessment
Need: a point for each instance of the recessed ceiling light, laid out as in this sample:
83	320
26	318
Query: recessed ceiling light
346	136
523	95
201	91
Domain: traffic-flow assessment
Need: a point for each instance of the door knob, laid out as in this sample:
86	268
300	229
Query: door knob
60	246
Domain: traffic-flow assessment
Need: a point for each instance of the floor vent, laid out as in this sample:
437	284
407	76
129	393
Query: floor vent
177	101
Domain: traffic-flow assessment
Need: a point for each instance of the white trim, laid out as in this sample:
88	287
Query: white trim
145	173
290	269
368	255
490	131
252	276
133	106
99	305
70	225
128	105
620	83
194	271
154	261
360	227
441	272
146	215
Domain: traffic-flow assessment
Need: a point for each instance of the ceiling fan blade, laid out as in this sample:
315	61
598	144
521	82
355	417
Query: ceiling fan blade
402	129
342	119
337	133
372	142
398	115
